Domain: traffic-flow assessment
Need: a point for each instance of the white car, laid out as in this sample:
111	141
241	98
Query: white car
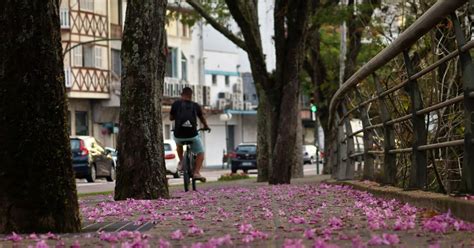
171	158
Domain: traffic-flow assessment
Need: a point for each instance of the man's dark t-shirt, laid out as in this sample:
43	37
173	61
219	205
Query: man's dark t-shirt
185	121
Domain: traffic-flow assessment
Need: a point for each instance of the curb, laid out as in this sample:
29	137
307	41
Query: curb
463	209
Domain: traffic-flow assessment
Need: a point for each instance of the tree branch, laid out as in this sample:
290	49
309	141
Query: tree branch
219	27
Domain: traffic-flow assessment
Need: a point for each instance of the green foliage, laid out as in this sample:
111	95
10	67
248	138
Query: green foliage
218	9
233	176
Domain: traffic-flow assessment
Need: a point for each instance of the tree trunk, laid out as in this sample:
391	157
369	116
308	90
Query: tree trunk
285	128
142	172
298	165
37	185
263	148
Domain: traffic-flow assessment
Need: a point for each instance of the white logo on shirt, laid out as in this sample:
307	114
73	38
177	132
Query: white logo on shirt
187	124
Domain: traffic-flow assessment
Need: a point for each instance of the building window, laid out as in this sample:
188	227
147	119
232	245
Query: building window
82	124
98	57
185	30
172	63
116	62
64	17
184	67
254	97
87	5
227	82
67	77
214	80
77	56
88	56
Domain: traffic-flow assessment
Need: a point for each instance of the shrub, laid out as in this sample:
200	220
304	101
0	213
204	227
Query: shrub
233	176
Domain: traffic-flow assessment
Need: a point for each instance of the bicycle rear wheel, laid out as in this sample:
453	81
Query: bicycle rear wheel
186	170
191	171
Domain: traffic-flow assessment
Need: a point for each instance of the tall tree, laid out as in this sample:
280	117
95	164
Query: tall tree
37	185
281	89
142	172
325	85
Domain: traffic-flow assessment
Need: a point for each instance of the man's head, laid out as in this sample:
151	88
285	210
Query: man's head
187	93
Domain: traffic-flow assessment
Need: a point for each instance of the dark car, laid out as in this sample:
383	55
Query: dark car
90	160
244	158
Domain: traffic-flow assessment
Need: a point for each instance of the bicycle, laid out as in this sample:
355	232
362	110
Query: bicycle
188	164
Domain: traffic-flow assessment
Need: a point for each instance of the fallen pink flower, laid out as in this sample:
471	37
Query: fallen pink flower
225	240
177	235
245	228
335	223
188	217
391	239
76	244
41	244
195	231
259	234
109	237
247	239
309	233
293	243
163	244
14	237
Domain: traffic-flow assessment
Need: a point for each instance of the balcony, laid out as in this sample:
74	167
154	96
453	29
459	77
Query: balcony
83	82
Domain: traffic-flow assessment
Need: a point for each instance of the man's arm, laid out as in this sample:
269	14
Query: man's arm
201	116
203	121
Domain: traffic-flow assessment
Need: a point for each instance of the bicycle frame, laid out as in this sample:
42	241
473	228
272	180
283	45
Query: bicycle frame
188	168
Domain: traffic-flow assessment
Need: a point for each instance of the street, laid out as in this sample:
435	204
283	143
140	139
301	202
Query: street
211	173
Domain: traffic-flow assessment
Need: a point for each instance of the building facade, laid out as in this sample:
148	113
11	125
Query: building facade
91	37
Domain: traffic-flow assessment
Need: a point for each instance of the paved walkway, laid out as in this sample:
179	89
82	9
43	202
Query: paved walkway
306	213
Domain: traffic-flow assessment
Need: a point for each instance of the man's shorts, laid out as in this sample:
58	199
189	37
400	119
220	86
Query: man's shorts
196	146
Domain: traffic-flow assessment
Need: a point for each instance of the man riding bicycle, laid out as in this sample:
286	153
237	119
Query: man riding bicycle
183	113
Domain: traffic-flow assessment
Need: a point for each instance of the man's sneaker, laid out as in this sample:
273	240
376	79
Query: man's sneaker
199	177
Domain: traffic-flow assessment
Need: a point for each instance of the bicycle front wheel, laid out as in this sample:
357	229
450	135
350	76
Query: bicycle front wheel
186	170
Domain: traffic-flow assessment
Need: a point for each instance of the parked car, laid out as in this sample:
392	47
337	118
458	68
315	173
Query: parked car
171	158
310	156
113	152
244	157
90	160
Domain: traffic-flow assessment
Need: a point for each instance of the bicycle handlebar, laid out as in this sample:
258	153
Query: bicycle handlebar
199	130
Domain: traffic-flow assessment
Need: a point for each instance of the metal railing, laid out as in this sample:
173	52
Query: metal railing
342	156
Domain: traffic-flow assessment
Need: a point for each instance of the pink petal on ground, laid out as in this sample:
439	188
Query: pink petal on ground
41	244
14	237
177	235
309	233
163	244
245	228
391	239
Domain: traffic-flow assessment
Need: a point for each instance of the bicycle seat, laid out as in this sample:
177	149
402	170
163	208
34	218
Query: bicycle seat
187	142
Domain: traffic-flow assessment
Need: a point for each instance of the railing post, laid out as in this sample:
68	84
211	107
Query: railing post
350	165
390	160
341	152
419	165
368	173
467	70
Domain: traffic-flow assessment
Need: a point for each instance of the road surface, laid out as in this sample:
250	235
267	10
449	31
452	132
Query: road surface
212	174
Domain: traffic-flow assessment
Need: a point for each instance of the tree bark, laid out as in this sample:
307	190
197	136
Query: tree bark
281	89
298	165
142	172
291	28
263	148
37	185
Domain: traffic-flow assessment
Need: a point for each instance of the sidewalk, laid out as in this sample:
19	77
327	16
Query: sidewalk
244	213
